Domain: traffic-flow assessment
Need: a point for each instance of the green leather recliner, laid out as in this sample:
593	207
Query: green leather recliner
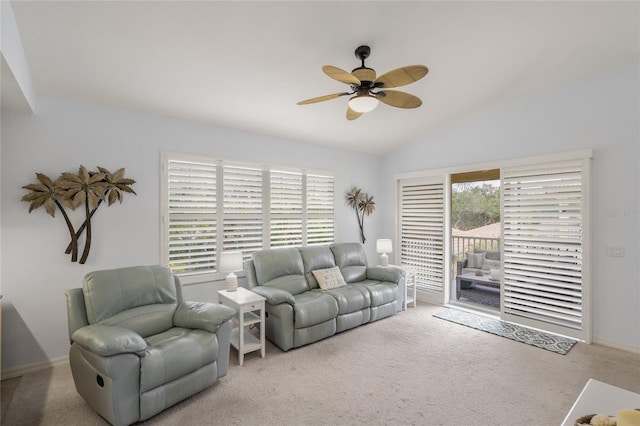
137	348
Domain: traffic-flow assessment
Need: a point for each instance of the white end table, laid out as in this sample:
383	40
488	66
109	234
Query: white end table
249	308
409	284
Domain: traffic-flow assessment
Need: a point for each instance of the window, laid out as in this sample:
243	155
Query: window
212	205
286	208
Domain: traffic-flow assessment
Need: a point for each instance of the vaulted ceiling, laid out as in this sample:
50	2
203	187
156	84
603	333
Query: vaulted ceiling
245	64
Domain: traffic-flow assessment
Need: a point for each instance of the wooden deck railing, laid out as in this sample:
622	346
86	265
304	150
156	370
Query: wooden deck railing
461	245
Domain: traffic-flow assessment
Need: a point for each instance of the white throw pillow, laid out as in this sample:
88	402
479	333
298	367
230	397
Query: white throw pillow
488	264
474	260
329	278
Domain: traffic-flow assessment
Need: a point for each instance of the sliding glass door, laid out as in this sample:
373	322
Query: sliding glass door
544	254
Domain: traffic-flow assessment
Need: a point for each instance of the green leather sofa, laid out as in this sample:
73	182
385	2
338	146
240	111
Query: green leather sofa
137	348
298	312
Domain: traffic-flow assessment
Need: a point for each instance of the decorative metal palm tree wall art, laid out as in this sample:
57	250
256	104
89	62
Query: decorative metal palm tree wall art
363	204
88	188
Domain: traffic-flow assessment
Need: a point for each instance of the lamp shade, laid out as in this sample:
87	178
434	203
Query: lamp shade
363	103
230	261
383	246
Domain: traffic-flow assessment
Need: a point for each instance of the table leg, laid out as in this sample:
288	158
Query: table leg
241	337
262	331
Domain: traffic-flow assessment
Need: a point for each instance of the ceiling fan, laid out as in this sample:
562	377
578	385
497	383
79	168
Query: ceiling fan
369	90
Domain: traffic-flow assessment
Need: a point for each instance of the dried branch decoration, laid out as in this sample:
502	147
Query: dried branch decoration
363	204
73	190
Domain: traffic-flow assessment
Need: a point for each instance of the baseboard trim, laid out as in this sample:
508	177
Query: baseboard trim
617	345
433	298
32	368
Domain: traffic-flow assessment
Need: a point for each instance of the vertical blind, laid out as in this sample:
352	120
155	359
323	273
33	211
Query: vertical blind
422	231
543	217
213	205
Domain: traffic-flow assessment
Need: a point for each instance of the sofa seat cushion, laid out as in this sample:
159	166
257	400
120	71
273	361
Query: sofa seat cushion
350	298
313	307
175	353
381	292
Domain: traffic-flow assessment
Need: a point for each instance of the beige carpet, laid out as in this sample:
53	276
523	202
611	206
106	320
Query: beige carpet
407	369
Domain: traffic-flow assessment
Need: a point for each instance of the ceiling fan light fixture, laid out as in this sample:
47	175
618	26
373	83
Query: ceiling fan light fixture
363	103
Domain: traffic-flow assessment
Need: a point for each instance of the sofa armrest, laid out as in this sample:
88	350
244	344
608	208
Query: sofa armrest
203	316
460	264
274	296
107	340
385	273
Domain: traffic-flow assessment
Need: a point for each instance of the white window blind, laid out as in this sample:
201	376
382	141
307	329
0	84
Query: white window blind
211	205
286	208
320	209
422	230
543	217
192	214
242	208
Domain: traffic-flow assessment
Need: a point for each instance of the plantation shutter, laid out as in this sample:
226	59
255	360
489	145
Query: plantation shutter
544	215
286	208
192	217
211	205
422	230
320	209
242	210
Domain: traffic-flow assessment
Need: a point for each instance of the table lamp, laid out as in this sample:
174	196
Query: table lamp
231	261
384	246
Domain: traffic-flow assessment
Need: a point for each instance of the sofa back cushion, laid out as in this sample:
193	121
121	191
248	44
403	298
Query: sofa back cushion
280	268
140	298
352	260
490	254
315	258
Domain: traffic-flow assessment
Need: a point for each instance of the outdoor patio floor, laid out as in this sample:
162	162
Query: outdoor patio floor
486	297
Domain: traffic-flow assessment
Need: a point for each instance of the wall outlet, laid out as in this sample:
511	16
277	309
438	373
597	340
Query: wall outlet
615	251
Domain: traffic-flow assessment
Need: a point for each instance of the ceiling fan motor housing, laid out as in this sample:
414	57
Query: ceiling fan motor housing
366	75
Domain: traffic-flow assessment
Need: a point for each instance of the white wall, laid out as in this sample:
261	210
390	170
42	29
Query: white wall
64	134
601	113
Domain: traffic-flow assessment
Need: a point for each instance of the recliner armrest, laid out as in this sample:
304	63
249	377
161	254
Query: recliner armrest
203	316
385	273
274	296
107	340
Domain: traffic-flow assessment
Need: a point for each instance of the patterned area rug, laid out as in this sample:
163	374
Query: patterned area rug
540	339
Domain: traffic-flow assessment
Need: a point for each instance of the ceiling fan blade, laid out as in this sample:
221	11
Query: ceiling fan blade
341	75
399	99
352	115
323	98
402	76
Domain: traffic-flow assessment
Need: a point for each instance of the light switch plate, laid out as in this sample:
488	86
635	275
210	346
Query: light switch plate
615	251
